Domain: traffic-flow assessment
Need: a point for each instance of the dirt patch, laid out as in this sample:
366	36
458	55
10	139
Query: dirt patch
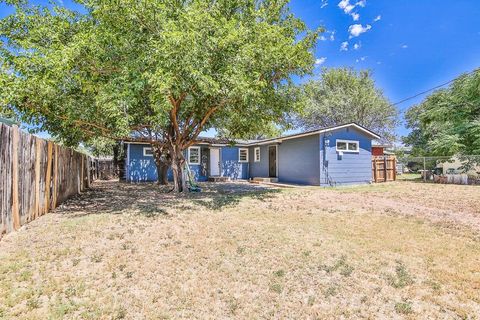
247	251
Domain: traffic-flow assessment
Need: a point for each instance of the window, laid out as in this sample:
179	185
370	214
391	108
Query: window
194	155
348	146
257	154
147	152
243	155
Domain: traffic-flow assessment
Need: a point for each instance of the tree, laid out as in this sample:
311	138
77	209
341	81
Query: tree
447	122
153	71
343	95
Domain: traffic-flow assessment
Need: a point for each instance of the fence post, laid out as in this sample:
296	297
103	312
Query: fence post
424	170
15	208
48	177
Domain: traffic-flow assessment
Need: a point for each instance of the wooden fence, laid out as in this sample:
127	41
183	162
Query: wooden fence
384	168
35	176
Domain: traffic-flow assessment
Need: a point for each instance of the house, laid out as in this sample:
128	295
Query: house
329	156
454	165
380	149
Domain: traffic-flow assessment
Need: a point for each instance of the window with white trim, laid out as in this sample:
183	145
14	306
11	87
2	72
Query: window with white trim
194	155
243	155
256	153
147	152
348	146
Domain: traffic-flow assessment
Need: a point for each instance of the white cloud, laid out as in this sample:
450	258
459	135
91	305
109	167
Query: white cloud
322	38
348	8
377	18
361	59
320	61
344	46
361	3
324	4
357	29
404	46
332	36
357	46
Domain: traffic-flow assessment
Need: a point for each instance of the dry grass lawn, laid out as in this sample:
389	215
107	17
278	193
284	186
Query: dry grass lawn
402	250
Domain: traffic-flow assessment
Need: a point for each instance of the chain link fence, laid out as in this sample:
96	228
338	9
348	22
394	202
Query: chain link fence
440	169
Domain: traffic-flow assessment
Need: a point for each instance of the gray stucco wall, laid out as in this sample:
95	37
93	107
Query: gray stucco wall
299	160
352	167
258	169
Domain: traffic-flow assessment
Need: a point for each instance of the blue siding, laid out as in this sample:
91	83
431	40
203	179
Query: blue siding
140	168
299	160
259	169
351	168
230	166
310	160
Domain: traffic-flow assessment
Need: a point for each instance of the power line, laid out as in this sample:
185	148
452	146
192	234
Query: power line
433	88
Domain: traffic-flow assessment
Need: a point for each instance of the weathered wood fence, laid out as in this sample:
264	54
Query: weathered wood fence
35	176
384	168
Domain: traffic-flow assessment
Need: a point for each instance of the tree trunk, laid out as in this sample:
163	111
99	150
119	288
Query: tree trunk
161	158
178	162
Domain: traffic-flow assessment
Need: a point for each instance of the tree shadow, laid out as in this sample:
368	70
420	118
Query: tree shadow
151	200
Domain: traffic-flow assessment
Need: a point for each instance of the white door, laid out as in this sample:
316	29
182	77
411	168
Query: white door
214	162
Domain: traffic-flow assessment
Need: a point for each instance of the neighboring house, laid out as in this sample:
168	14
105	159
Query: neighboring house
455	166
329	156
379	149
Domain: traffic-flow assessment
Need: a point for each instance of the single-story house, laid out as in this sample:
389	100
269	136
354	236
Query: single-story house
329	156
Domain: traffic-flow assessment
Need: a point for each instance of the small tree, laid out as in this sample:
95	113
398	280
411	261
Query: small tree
343	95
153	71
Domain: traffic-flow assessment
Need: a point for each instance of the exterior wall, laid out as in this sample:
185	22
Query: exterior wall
352	167
377	151
259	169
230	167
140	168
299	160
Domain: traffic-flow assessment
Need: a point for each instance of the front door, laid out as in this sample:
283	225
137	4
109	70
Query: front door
214	162
272	161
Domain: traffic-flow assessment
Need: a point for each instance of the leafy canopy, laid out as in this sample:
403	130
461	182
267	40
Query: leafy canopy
342	95
152	70
448	121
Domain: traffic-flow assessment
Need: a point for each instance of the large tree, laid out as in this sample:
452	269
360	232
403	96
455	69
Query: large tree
153	71
343	95
447	122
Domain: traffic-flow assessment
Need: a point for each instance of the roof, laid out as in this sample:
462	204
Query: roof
238	142
318	131
8	122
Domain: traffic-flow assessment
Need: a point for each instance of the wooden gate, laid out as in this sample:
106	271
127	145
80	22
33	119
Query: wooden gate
384	168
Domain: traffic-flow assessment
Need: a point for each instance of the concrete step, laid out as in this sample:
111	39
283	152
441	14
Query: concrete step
262	179
218	179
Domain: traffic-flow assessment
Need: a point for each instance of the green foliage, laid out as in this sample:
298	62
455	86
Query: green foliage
343	95
448	121
151	67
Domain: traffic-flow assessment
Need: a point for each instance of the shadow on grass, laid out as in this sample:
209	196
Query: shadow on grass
151	200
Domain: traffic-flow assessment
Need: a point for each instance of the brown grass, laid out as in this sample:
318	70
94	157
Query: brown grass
402	250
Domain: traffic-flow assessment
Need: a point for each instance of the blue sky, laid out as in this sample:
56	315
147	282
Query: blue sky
409	45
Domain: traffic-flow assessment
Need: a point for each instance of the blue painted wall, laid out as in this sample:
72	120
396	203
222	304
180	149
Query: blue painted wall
230	167
298	160
259	169
307	160
351	168
142	168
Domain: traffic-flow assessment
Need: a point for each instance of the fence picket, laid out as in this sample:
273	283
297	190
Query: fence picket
36	176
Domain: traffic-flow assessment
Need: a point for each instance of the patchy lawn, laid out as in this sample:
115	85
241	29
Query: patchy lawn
400	250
